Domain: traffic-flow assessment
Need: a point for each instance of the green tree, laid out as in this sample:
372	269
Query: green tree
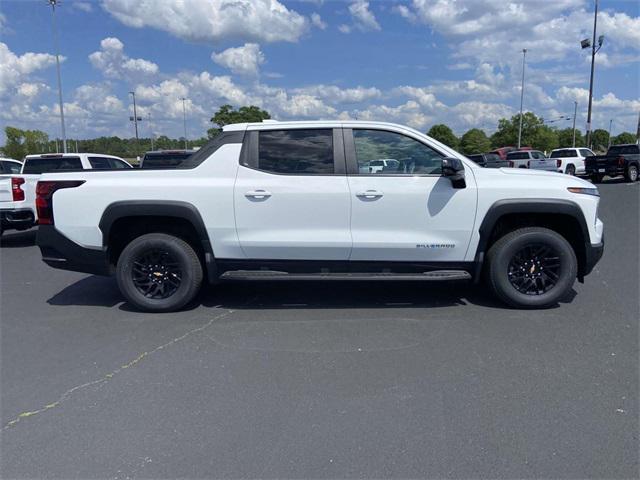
24	142
565	138
507	133
444	134
624	137
227	115
474	141
600	139
545	139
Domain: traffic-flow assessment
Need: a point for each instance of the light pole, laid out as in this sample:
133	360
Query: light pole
575	112
586	43
53	4
184	121
150	129
135	120
524	56
610	122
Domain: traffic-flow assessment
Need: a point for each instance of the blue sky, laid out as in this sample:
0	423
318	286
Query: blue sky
416	62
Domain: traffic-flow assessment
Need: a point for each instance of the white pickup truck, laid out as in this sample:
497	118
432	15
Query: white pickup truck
278	201
17	191
533	159
571	160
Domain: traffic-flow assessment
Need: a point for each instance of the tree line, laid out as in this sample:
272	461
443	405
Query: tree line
535	134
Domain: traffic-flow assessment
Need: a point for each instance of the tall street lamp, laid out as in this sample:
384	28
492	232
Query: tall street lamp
610	123
524	56
53	4
575	112
135	119
150	129
586	43
184	121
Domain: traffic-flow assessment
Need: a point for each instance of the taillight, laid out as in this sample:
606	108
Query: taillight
558	163
511	164
621	161
528	163
44	198
16	189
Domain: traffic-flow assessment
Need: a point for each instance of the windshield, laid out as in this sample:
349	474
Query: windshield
45	165
563	153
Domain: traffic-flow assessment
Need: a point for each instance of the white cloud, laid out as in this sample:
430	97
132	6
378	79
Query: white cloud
15	69
344	28
31	90
114	63
363	18
316	21
333	94
245	60
82	6
213	20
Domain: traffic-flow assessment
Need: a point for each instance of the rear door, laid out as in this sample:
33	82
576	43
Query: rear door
408	212
291	195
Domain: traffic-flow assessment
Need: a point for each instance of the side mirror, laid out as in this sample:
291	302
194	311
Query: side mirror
453	169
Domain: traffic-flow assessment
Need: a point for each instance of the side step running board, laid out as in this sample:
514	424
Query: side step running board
437	275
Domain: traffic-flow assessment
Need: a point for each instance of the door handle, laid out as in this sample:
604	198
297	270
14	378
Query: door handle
370	194
258	194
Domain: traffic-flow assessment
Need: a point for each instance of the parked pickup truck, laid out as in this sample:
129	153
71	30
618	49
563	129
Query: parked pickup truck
619	160
571	160
533	159
277	201
17	191
489	160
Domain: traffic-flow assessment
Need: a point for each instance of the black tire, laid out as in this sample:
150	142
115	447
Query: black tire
596	178
505	269
165	267
571	170
631	175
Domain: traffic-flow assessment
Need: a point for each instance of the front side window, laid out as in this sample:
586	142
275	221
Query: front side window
586	152
390	153
537	155
99	163
296	152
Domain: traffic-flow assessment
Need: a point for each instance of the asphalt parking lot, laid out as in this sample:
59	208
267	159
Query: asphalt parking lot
331	380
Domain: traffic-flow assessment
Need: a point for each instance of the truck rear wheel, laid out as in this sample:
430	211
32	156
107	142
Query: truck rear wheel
631	174
157	272
531	267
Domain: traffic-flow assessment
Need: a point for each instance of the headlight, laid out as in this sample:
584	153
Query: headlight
584	191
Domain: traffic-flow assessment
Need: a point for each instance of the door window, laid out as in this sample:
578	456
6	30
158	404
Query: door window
100	163
586	153
390	153
296	152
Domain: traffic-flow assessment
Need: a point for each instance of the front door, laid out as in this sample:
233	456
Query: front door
405	211
291	195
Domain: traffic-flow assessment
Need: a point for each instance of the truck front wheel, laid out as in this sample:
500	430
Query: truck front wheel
157	272
531	267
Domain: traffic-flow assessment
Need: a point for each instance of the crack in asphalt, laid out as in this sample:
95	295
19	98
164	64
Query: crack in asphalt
108	376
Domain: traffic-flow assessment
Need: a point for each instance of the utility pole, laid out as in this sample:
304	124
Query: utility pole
150	129
610	122
524	56
135	121
575	112
53	4
593	61
184	121
638	131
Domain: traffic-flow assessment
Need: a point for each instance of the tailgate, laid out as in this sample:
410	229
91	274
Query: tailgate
599	162
543	164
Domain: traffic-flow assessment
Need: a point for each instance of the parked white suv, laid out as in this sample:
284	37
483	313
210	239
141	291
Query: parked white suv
571	160
274	201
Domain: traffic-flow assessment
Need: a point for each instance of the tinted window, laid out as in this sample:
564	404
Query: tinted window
624	149
476	158
538	155
296	151
518	155
164	159
493	157
568	153
115	163
10	167
44	165
586	152
100	163
398	154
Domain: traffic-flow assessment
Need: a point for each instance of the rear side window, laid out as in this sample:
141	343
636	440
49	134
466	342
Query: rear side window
45	165
296	152
518	155
10	167
492	157
164	160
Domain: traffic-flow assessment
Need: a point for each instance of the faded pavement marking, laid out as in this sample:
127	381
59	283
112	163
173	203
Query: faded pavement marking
105	378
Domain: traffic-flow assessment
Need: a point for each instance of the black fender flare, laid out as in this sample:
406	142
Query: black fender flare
160	208
525	205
